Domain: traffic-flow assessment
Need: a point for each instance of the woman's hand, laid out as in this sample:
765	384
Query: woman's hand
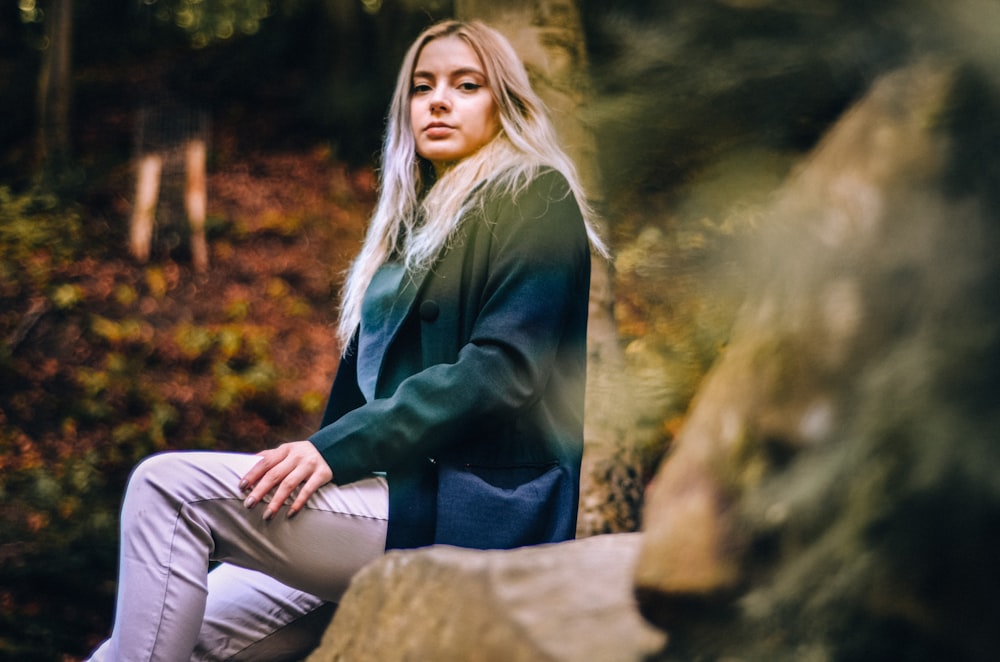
281	471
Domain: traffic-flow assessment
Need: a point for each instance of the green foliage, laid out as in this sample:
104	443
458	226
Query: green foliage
36	233
103	363
239	358
66	447
55	507
208	21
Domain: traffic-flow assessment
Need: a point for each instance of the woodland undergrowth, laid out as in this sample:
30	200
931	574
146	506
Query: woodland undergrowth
104	361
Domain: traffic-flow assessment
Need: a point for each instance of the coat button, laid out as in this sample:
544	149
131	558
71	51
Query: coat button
429	311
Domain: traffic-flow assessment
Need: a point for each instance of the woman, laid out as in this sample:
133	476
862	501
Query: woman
456	415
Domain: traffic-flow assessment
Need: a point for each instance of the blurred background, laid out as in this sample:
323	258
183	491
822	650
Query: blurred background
694	112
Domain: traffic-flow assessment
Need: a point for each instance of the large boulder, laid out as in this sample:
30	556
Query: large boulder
833	494
563	602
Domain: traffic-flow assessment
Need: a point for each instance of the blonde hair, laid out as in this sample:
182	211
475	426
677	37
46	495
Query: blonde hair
415	216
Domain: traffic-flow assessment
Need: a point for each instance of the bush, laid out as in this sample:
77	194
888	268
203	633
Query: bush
103	362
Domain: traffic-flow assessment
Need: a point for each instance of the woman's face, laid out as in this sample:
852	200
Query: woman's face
452	112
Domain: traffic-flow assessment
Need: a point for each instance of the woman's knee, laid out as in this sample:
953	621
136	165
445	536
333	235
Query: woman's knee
184	476
154	470
173	476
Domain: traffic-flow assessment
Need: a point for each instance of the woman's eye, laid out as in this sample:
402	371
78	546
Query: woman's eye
420	88
469	86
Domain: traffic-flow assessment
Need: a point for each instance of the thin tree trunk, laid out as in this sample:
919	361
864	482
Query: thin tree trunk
55	93
196	199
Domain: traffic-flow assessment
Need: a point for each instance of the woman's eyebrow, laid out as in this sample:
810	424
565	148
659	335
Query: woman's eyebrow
462	71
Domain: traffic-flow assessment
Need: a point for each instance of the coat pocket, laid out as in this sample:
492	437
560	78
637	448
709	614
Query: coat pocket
502	507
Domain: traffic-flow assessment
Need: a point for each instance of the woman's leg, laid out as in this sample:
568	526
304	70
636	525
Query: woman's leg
252	616
183	509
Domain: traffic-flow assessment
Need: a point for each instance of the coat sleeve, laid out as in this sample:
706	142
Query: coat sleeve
539	263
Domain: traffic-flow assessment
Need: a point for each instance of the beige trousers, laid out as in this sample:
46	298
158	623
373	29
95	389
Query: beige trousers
278	580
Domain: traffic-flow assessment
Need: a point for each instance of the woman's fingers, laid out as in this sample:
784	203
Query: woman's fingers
259	480
288	476
283	470
316	480
315	473
267	460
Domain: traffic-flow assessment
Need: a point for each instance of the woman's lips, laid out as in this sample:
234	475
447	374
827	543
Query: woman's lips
437	130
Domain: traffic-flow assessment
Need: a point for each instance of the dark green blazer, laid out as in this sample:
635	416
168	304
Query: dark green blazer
478	411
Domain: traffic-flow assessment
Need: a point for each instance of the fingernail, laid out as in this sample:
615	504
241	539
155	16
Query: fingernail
292	513
268	514
244	485
249	503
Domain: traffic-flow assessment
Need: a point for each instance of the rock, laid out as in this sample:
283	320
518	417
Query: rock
833	492
565	601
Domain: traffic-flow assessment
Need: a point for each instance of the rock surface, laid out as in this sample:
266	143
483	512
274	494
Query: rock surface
566	602
833	493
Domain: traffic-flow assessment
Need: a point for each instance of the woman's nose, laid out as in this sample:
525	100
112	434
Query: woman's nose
439	100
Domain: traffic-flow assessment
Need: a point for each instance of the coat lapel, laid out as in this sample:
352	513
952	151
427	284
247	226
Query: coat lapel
376	347
407	295
375	342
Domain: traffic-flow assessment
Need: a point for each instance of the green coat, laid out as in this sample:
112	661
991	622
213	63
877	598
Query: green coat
478	411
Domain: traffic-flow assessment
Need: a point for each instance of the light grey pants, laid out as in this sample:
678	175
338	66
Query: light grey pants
278	580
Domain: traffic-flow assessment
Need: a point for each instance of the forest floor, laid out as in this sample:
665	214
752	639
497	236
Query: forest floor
106	360
283	227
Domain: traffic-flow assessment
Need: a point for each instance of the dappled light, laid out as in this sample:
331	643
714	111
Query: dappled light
211	20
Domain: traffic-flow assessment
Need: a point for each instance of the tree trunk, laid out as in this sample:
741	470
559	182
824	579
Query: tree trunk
548	35
55	93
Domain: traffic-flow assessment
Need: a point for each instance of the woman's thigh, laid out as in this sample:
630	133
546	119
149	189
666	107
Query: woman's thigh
340	529
280	579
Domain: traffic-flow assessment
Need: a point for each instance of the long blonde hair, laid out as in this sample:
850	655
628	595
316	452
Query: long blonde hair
415	216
